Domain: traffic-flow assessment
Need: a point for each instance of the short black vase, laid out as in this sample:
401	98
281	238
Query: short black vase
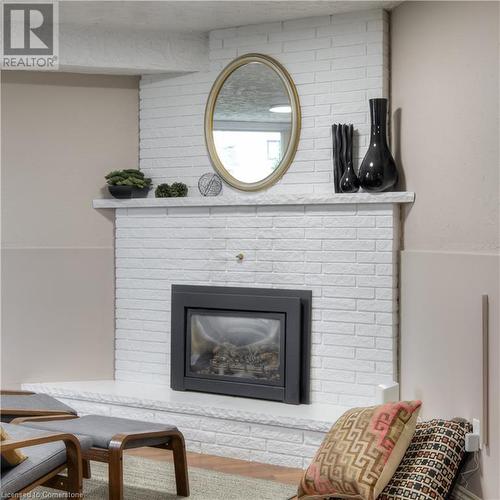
349	182
378	169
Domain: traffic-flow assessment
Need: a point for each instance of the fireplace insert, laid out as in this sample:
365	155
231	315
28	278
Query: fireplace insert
249	342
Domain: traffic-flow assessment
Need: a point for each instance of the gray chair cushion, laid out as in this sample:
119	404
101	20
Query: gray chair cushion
41	460
102	429
31	402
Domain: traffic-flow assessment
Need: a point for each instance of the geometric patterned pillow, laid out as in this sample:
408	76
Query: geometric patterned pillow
361	452
431	462
10	458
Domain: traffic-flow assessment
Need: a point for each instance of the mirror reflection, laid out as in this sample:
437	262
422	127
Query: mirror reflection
252	122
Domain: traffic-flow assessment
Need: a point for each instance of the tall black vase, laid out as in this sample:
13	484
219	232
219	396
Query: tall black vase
378	169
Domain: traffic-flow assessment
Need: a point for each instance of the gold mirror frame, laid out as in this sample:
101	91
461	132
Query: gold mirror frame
294	135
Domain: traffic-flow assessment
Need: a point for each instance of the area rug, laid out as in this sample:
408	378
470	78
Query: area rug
154	480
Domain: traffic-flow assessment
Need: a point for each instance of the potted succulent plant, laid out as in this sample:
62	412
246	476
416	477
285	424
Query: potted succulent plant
128	183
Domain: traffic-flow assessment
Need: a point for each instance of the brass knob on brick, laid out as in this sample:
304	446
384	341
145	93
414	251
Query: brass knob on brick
240	257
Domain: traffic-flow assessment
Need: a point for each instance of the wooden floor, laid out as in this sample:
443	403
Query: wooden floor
229	465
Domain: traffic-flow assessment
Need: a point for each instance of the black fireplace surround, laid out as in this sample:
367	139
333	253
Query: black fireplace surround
250	342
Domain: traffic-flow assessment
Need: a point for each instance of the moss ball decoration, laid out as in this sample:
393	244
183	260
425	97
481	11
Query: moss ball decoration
162	191
176	190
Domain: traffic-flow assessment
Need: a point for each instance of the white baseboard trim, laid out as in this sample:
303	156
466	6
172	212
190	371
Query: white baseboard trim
460	493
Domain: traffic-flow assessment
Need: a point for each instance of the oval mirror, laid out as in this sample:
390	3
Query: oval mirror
252	122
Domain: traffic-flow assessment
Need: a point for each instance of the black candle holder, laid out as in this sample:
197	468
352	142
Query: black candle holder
344	177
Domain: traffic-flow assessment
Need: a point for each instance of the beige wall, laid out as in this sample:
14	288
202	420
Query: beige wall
445	86
61	133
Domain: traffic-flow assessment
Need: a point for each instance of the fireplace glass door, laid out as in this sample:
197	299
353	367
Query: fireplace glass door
229	345
247	342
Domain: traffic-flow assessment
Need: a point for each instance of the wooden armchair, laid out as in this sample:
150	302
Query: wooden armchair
30	404
60	451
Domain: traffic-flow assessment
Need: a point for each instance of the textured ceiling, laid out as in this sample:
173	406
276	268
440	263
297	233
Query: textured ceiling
201	16
248	94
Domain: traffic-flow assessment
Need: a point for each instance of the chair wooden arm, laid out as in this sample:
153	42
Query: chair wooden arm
44	418
26	411
12	444
17	412
8	392
73	482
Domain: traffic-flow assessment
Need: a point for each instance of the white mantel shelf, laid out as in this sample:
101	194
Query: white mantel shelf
260	199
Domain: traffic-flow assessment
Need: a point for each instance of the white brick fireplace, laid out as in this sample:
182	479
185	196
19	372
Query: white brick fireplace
345	254
341	247
296	235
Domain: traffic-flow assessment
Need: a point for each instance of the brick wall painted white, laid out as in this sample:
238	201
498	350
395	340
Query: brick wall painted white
337	62
345	254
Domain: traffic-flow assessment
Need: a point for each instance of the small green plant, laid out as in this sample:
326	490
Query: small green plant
176	190
128	177
162	191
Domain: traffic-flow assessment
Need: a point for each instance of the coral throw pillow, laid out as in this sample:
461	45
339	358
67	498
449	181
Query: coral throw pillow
10	458
361	452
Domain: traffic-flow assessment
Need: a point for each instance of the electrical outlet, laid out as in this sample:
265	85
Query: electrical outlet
473	439
472	442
